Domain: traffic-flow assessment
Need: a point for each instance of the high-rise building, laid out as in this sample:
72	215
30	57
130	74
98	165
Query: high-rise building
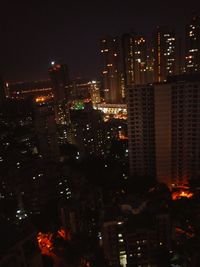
128	58
165	54
111	69
135	59
192	52
141	130
164	129
177	130
60	80
45	127
2	91
150	65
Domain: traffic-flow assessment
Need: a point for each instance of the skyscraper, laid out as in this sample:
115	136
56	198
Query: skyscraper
164	130
177	129
60	80
128	58
135	57
192	52
60	85
45	126
111	69
2	91
165	54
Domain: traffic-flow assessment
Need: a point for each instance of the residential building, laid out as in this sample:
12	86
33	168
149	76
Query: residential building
110	50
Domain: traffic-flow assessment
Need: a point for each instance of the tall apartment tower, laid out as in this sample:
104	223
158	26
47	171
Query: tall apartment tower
192	52
164	130
60	81
2	91
111	69
177	129
45	125
166	54
128	49
141	130
135	59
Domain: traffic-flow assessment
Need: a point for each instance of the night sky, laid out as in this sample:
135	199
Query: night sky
34	34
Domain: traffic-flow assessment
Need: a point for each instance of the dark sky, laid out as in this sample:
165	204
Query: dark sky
35	33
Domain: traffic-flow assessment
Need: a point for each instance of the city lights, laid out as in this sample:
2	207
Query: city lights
100	134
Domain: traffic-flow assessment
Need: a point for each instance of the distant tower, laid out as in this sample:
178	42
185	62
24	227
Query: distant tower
45	126
2	91
165	54
110	70
135	59
128	58
192	52
60	81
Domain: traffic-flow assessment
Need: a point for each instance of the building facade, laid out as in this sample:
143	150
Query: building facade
163	124
192	52
2	91
111	69
177	127
60	80
141	130
136	61
166	56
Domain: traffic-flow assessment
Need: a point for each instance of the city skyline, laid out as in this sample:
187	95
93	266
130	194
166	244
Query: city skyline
34	35
99	130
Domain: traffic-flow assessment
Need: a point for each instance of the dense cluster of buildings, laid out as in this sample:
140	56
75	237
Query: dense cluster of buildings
79	154
134	59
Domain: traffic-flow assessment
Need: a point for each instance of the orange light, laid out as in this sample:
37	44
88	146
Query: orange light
122	136
182	194
41	99
45	243
183	232
63	234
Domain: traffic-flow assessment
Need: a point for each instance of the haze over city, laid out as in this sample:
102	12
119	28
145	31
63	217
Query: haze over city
35	33
100	134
